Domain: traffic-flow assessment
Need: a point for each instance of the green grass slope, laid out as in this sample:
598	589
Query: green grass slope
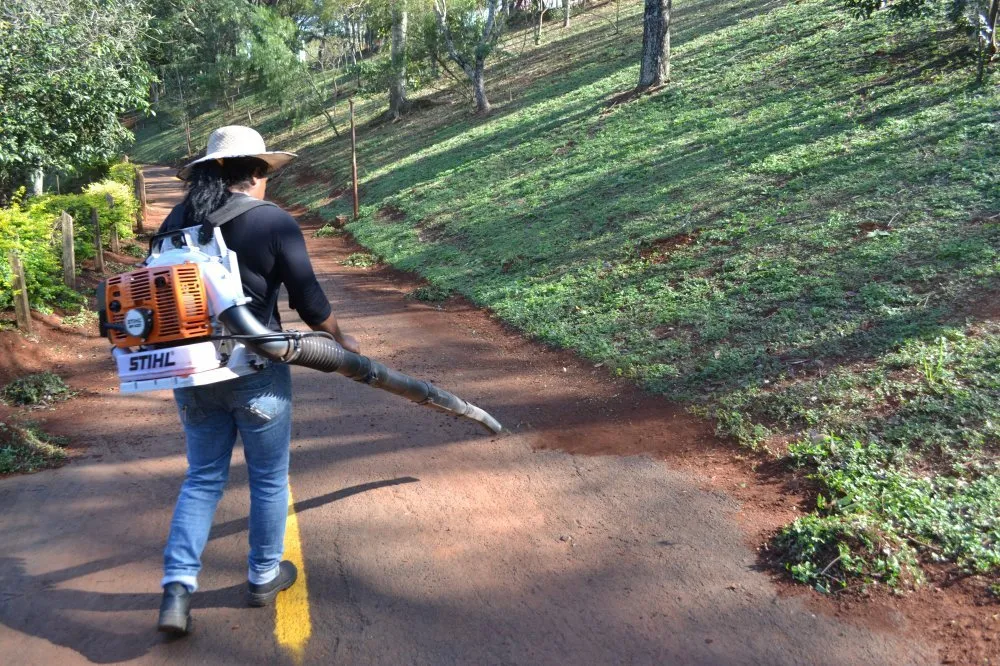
798	237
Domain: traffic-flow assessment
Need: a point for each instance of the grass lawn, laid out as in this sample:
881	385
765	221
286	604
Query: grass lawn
798	237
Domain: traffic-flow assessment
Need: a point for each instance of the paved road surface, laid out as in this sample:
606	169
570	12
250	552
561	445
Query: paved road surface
424	540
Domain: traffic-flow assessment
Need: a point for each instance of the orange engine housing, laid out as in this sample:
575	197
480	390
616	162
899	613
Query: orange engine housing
175	295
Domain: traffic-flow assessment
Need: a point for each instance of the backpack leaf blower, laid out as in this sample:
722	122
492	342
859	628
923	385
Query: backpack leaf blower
182	320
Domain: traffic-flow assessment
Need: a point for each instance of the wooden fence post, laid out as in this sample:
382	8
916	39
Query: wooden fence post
113	231
95	219
354	160
68	251
21	310
140	190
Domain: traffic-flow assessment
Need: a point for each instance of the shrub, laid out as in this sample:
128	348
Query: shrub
30	233
430	293
327	230
26	448
37	389
32	230
124	173
361	260
121	214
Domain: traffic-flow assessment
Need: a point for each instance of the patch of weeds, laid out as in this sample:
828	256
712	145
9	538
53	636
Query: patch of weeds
361	260
430	293
874	517
831	552
27	448
38	389
133	250
115	268
85	318
327	231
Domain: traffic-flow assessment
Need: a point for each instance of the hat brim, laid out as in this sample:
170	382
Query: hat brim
275	159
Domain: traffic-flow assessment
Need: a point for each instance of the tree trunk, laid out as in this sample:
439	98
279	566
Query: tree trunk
476	71
397	84
565	13
37	183
538	26
991	20
654	69
479	87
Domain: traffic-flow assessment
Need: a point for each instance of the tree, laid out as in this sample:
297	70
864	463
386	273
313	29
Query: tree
654	68
398	104
565	13
479	34
979	16
68	70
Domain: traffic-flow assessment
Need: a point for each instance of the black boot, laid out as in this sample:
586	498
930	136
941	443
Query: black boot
263	595
175	610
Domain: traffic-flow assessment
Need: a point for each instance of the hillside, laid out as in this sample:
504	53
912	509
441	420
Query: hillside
797	237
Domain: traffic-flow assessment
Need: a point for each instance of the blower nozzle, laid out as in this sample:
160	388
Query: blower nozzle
324	354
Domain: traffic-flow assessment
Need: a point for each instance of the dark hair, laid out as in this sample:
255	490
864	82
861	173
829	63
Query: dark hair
208	185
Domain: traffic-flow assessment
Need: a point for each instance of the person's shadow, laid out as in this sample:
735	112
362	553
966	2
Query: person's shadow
34	605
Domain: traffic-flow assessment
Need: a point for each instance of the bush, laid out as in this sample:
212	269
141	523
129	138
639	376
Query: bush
121	214
32	230
361	260
327	230
124	173
26	448
38	389
31	234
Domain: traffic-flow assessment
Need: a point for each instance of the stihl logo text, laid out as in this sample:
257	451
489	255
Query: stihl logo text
152	361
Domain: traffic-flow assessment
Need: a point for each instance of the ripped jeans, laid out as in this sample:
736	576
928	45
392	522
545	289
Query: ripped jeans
259	408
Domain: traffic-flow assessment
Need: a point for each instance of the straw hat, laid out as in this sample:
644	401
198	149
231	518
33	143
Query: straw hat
238	141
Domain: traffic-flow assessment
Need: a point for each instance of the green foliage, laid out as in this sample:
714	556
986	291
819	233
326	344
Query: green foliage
831	552
26	448
237	46
32	236
430	293
124	173
38	389
32	230
85	318
904	9
68	70
875	516
327	231
361	260
373	75
121	214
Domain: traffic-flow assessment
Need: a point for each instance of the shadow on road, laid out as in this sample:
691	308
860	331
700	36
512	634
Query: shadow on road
35	604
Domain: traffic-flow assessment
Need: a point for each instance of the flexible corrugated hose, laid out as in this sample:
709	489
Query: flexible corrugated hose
324	354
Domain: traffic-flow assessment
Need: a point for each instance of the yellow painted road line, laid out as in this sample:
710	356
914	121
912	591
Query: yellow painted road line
293	624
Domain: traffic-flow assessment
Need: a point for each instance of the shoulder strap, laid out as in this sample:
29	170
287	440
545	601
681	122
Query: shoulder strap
235	207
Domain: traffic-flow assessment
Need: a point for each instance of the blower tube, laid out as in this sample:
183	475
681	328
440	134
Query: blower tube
324	354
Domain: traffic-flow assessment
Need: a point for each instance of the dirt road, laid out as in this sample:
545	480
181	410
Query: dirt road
423	540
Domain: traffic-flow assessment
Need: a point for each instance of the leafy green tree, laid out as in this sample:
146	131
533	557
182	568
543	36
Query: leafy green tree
469	37
978	15
68	70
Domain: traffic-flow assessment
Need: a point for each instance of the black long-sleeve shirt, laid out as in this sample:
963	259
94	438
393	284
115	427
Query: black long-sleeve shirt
271	252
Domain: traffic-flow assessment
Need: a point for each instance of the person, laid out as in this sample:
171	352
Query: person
271	252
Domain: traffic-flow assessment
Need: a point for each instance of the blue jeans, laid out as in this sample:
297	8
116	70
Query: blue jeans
259	408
